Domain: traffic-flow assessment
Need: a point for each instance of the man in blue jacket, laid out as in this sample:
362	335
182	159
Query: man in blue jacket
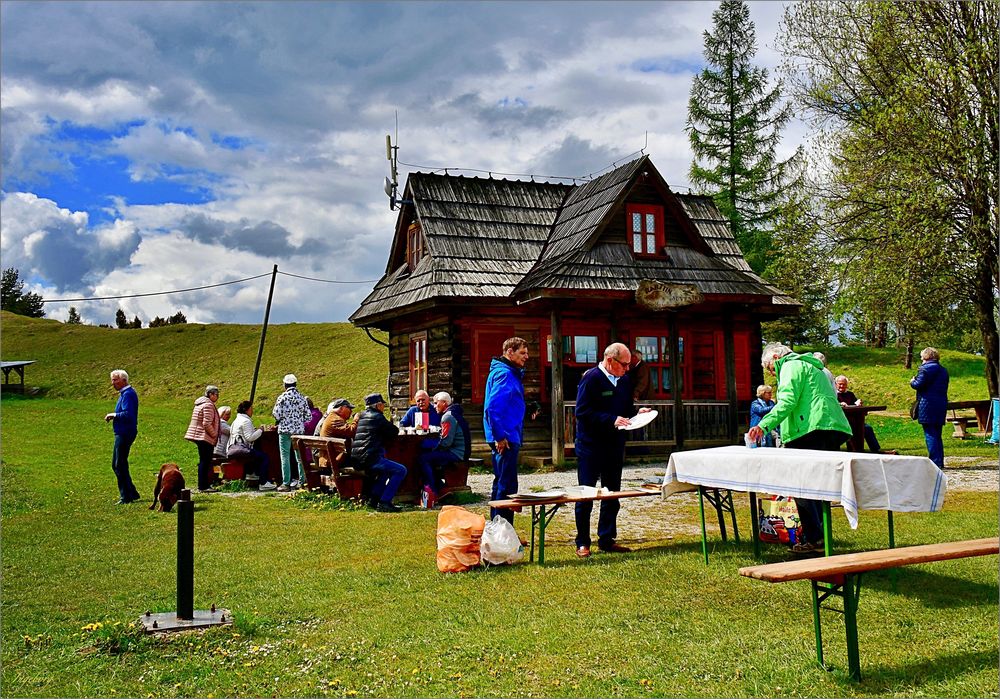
604	401
503	418
125	420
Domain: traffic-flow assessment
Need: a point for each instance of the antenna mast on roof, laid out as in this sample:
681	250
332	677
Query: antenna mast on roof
391	186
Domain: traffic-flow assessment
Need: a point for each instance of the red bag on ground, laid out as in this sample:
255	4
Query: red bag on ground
459	533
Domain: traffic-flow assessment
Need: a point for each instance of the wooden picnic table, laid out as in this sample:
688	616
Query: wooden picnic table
856	415
543	509
982	408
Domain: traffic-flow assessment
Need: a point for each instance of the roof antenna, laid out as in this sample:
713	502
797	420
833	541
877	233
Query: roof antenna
391	186
645	144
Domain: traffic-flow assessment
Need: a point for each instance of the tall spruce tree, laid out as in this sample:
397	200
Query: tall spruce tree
14	299
734	125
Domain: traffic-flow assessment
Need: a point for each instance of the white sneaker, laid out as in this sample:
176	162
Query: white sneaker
294	484
268	486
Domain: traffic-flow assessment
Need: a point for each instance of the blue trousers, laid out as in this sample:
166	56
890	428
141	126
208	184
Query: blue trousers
119	465
389	475
605	465
504	479
429	462
871	440
285	450
935	447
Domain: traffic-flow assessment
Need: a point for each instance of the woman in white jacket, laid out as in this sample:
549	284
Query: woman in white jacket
241	445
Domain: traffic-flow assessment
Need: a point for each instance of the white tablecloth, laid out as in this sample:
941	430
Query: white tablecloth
859	481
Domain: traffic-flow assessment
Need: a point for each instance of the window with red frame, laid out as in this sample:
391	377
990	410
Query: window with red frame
414	245
644	223
418	362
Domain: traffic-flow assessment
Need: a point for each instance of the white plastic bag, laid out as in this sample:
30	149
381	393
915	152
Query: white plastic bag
500	543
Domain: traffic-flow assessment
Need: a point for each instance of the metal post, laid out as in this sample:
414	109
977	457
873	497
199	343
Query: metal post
263	333
755	525
827	529
541	537
558	411
852	590
185	556
817	626
892	532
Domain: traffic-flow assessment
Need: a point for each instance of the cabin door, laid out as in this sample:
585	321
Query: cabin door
486	344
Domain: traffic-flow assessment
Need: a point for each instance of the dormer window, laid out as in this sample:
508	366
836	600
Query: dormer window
414	245
645	229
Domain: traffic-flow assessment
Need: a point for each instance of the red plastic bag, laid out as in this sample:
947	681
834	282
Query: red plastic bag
459	534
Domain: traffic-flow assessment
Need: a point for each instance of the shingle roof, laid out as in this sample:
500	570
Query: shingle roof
498	239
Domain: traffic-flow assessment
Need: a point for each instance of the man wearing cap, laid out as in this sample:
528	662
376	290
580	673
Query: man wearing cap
421	414
368	453
336	424
291	410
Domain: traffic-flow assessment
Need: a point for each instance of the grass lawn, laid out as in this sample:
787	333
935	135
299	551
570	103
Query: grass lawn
334	601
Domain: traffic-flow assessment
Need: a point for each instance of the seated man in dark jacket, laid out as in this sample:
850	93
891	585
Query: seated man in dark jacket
368	453
846	398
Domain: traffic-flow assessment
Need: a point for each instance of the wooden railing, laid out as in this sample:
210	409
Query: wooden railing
703	421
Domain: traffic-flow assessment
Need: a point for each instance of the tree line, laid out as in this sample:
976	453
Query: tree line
888	230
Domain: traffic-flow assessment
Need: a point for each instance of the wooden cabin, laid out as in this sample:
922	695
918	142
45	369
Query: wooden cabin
572	268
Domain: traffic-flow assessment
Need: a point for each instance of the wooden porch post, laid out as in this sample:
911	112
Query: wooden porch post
675	381
558	421
730	343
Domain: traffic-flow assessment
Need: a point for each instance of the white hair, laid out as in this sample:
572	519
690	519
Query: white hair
120	374
838	378
225	409
820	356
772	352
442	395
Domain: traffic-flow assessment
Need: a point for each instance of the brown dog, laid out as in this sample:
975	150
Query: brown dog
169	484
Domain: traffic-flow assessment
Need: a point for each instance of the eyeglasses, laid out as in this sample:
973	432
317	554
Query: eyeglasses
620	362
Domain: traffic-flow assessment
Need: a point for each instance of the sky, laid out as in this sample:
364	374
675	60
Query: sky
155	146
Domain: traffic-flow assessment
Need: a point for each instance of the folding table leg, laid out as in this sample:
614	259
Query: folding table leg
754	524
701	511
827	529
541	537
817	626
531	550
852	591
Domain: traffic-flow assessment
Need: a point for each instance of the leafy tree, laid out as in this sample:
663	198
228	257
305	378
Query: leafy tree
177	318
135	324
121	322
905	96
13	298
734	125
74	317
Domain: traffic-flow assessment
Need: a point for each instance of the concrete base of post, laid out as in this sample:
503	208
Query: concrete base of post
167	622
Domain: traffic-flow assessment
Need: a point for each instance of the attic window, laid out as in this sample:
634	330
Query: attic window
414	245
644	224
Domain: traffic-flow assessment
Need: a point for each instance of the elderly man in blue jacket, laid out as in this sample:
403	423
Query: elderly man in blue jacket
503	418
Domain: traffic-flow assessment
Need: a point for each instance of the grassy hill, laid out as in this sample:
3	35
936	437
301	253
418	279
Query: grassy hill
177	362
330	360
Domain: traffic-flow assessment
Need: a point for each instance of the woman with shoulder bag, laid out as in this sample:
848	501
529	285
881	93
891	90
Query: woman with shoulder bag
931	384
241	445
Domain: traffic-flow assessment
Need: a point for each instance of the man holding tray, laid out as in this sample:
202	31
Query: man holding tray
603	399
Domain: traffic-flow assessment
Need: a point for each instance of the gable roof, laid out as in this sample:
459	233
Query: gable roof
504	240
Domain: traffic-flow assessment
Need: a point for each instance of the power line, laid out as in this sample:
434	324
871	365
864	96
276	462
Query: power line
329	281
156	293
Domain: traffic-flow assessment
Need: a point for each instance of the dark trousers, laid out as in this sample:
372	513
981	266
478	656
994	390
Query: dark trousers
432	461
811	511
389	475
606	465
205	475
871	440
119	465
935	446
504	479
259	463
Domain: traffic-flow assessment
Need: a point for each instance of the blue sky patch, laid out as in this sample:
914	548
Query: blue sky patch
670	66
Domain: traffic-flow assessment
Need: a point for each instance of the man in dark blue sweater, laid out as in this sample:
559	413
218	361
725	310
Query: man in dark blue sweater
603	402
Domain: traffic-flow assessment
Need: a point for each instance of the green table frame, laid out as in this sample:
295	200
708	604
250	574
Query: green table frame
723	503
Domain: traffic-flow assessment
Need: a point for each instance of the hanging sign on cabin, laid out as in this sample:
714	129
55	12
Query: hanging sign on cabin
659	296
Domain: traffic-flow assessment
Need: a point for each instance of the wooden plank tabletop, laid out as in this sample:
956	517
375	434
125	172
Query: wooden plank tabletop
610	495
820	567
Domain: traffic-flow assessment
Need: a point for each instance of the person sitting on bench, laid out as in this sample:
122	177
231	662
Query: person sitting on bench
421	415
845	398
449	449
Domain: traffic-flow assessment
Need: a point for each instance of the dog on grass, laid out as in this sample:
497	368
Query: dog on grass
169	484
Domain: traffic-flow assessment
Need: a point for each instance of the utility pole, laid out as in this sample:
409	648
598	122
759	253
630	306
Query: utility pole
263	334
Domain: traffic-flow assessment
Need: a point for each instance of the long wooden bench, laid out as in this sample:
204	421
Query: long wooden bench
840	576
962	425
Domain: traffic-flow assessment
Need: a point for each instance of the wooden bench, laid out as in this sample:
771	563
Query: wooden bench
961	425
841	576
347	482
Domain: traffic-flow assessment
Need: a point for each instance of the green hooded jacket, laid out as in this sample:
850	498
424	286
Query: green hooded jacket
805	401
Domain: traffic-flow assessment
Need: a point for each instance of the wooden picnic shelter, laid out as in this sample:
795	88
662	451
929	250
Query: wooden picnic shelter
16	366
572	268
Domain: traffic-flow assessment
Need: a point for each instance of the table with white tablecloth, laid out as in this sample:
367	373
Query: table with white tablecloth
858	481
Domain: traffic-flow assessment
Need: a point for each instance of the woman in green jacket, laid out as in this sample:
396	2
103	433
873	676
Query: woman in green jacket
810	417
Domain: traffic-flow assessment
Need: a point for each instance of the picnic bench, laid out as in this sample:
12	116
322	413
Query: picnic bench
840	576
983	418
543	509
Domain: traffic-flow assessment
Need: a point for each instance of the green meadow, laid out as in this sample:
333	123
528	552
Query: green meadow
332	599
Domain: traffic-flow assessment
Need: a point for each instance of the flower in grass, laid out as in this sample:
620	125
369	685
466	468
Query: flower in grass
92	626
